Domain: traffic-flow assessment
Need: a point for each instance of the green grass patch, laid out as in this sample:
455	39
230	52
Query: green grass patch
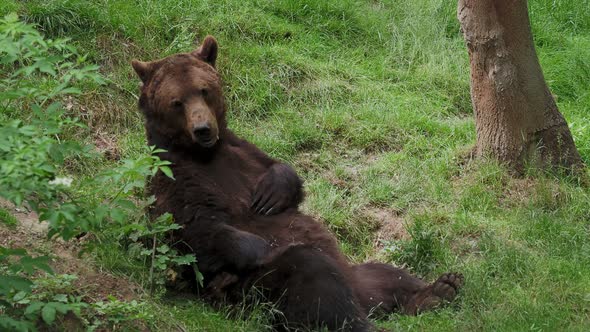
7	218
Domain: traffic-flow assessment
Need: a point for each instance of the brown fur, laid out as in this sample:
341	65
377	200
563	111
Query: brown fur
239	211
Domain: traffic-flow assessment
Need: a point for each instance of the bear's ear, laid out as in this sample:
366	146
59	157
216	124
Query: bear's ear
207	51
143	69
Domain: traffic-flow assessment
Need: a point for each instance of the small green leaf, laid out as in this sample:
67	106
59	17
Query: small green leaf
31	264
33	308
167	171
12	252
164	218
56	153
145	252
61	298
198	275
163	249
8	283
48	313
184	260
101	212
19	296
118	215
126	204
62	308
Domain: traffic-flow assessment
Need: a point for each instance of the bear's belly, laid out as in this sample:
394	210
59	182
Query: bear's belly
292	227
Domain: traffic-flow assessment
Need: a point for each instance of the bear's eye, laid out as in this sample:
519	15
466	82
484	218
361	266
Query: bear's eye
204	92
177	104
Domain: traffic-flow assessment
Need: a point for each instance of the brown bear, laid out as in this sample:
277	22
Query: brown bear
239	211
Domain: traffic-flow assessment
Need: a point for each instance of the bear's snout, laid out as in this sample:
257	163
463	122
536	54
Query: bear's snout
204	135
202	130
202	126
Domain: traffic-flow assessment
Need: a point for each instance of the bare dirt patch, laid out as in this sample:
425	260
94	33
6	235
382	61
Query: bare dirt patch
391	225
106	144
92	283
517	191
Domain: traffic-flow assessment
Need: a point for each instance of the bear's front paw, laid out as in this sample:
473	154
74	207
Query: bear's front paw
250	252
278	189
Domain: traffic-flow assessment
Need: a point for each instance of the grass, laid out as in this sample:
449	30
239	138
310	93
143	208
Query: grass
7	218
369	100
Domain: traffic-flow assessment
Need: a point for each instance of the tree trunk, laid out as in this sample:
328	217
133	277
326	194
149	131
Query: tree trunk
516	117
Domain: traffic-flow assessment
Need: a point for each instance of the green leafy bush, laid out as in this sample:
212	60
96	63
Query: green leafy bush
35	149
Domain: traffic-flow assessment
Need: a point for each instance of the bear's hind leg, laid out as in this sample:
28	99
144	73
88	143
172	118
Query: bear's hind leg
312	291
383	289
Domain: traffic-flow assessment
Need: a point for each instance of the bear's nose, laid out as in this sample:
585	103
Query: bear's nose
202	130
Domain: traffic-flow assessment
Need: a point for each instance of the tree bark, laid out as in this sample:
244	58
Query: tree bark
516	117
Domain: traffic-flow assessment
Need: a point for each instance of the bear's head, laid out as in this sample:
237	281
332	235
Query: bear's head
181	99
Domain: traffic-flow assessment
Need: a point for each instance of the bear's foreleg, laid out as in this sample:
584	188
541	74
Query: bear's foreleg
278	189
221	247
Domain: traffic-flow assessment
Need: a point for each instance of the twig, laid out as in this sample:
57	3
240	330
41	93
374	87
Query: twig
152	267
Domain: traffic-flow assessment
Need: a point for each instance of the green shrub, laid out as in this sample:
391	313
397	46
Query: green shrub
34	153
